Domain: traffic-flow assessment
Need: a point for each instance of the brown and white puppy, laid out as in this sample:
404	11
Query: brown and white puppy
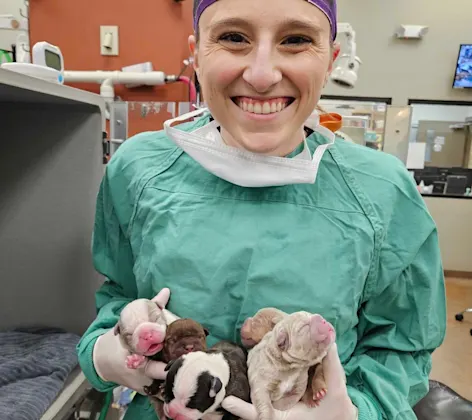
278	366
253	331
182	337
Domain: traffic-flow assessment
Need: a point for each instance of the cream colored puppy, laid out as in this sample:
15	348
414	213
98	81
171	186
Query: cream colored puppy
278	366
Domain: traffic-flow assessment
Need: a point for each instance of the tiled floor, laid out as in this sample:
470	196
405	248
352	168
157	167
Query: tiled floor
452	362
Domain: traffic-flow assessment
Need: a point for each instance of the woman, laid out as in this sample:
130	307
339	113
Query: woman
230	212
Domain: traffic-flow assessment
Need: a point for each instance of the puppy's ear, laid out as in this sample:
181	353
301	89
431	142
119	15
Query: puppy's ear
215	387
117	329
282	340
275	319
169	365
207	333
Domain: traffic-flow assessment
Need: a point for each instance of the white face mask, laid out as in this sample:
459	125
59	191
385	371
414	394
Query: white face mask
245	168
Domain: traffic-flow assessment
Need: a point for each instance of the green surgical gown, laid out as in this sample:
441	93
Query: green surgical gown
358	247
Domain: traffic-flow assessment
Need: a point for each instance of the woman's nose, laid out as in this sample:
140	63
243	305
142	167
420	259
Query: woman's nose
262	73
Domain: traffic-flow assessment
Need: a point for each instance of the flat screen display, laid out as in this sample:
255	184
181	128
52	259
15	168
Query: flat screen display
463	75
52	60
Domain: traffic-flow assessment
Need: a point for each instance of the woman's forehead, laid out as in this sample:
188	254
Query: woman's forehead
276	10
300	14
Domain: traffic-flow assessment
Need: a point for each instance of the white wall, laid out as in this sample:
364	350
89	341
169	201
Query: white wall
10	7
403	69
439	113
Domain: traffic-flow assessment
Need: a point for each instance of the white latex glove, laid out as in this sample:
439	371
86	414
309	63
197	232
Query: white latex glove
336	405
109	357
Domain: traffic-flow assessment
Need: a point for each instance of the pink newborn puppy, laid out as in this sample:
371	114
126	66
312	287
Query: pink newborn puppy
142	329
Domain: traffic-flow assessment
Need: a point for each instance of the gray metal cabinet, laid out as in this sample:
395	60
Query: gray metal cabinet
51	164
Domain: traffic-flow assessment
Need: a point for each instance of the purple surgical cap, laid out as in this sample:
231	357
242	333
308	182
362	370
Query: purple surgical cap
328	7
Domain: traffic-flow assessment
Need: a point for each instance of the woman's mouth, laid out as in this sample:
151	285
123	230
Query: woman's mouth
262	106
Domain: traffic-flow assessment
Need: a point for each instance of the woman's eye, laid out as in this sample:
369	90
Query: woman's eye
296	40
234	38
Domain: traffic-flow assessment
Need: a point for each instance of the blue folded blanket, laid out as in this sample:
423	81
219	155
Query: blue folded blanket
34	366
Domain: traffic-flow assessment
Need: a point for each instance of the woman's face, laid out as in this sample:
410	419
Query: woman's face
261	66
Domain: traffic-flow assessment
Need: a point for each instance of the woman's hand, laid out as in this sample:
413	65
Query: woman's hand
336	405
109	359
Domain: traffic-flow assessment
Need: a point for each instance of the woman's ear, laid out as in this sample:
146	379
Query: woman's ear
193	47
335	50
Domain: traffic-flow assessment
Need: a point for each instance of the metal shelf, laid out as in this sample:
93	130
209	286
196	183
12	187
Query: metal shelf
75	389
51	165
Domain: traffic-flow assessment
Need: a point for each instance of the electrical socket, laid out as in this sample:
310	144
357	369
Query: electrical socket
105	33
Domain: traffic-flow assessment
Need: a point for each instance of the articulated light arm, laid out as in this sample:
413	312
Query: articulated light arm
345	73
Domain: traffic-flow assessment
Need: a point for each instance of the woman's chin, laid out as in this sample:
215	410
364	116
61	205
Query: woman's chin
261	143
267	144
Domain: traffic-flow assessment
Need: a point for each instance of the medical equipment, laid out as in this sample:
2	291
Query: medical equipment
48	63
126	76
345	73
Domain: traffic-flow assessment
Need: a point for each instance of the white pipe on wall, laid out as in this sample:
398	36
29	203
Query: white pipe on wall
116	77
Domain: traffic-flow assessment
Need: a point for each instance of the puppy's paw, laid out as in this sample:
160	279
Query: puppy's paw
313	398
135	361
319	394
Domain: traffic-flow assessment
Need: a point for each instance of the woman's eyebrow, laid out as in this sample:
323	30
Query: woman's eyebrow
231	22
301	25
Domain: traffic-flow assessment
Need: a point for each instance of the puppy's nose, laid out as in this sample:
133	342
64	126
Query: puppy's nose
189	347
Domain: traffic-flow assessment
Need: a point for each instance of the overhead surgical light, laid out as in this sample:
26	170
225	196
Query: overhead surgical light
347	65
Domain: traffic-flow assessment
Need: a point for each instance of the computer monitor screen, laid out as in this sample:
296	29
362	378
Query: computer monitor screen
463	74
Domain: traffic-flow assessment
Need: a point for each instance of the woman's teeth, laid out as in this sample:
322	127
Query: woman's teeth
262	107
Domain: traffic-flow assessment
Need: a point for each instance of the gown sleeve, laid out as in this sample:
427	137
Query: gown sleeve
402	320
112	257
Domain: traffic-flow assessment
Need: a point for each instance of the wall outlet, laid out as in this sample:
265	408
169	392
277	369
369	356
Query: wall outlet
109	40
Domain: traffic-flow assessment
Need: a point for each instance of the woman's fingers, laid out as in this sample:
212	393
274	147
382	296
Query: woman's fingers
162	298
155	370
240	408
333	369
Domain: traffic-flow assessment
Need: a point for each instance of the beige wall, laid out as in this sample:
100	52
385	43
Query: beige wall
453	219
403	69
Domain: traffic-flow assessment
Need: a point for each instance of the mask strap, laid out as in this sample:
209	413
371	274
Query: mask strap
326	132
183	117
322	148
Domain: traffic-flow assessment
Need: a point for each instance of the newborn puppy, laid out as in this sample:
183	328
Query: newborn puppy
278	366
255	328
183	336
253	331
142	330
198	382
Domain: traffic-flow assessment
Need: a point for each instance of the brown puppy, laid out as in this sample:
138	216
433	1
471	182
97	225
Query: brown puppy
253	331
182	336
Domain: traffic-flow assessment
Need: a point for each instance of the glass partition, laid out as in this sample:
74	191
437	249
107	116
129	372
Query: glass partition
363	121
439	154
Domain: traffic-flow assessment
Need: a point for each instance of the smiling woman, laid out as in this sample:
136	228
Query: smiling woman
257	204
262	70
